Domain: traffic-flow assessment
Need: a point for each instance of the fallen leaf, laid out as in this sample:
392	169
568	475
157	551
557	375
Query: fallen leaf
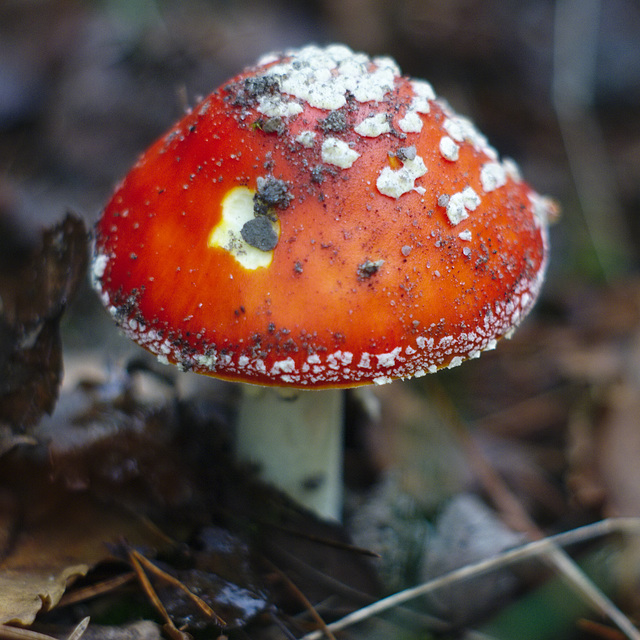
36	284
53	535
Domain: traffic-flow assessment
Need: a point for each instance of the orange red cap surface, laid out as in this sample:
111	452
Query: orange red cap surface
320	221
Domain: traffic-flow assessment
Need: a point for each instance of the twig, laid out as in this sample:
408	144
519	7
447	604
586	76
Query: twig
526	551
148	587
174	582
169	626
327	542
8	632
504	499
95	590
343	590
318	576
324	628
79	630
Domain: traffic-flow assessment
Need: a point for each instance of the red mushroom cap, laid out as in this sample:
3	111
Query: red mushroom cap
320	221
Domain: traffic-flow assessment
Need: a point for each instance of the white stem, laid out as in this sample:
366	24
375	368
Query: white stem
296	442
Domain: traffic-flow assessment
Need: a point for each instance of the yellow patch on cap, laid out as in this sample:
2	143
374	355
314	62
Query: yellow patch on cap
238	215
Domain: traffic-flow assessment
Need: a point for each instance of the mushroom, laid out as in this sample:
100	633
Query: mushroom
319	222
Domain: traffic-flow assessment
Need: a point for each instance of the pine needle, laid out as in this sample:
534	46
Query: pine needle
531	550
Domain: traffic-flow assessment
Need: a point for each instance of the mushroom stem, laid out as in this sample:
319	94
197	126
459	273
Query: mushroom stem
295	440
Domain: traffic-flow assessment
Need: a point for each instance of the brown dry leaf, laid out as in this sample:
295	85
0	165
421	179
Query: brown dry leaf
37	280
51	535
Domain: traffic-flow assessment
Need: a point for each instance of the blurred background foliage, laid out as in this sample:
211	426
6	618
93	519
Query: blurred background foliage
85	86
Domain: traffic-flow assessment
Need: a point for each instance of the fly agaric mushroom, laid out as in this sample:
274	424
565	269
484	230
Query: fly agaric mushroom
319	222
